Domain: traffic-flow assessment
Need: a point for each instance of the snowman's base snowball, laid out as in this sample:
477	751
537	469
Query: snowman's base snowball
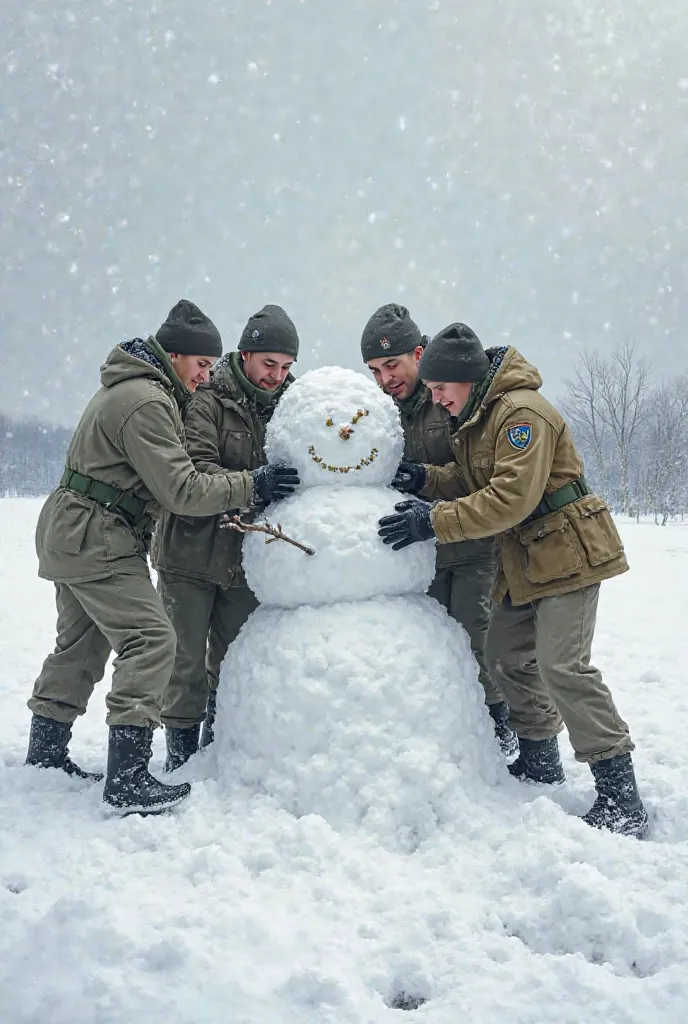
367	713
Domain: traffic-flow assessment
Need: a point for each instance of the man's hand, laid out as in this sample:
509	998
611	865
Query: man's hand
412	523
410	477
274	482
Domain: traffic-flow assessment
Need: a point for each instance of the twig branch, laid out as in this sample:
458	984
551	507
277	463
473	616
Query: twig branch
273	533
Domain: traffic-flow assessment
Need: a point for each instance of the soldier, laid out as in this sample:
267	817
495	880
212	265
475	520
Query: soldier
201	581
392	346
125	460
557	541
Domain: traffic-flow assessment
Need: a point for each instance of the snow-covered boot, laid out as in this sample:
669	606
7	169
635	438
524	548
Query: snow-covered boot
129	786
538	761
181	744
618	807
508	740
208	732
48	748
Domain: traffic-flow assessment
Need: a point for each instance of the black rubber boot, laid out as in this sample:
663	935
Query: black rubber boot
129	786
181	744
618	807
208	732
48	748
538	761
508	740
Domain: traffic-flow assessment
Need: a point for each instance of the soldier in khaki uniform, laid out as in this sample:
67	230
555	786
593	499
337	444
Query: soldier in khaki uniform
515	456
126	460
201	581
392	346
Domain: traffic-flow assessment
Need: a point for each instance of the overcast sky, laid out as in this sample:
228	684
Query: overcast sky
520	165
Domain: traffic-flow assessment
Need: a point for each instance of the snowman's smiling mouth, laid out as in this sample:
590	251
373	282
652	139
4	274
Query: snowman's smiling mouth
342	469
345	433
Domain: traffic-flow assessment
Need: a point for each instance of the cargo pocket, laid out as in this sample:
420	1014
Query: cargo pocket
236	448
120	539
592	521
549	550
483	461
63	524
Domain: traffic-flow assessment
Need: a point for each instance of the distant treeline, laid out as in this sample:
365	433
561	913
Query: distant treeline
632	429
32	456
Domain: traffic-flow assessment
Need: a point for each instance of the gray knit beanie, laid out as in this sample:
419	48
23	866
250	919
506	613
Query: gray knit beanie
454	355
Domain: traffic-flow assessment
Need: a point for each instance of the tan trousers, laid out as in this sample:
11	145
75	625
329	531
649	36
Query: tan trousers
206	618
540	654
121	613
464	590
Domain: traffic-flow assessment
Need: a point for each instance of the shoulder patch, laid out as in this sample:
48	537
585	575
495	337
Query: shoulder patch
519	435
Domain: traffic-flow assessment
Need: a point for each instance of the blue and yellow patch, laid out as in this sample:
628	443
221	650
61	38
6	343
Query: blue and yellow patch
519	435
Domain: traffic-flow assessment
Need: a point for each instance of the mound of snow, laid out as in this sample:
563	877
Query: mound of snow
367	713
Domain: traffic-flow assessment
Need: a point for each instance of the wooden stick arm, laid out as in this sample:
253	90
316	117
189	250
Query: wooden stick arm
273	532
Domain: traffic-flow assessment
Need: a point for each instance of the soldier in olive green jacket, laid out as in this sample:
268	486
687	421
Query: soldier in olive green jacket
126	461
201	581
517	476
392	346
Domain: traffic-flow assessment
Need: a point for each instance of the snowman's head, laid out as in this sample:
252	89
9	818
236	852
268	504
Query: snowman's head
336	426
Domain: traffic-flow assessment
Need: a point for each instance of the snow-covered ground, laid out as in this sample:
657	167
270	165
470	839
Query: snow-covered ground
230	911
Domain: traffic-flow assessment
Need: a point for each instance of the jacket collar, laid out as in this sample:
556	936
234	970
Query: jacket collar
228	380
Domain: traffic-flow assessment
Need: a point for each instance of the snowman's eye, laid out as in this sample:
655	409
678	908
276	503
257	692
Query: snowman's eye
329	422
359	415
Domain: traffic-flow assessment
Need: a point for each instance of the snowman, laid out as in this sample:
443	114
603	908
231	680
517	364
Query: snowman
349	693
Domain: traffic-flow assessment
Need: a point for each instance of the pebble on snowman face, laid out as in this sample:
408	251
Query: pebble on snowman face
345	433
336	427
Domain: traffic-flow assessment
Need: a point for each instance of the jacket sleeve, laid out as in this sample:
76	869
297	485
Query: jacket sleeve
202	429
518	483
151	444
443	483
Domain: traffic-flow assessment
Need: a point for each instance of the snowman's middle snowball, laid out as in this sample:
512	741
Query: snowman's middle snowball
350	562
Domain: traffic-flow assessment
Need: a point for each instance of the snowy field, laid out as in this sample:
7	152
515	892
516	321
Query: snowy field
230	911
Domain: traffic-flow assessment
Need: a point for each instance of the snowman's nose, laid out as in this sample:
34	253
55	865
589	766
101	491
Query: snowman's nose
345	433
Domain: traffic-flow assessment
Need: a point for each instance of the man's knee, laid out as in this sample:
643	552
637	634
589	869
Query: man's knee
494	651
167	641
497	665
160	643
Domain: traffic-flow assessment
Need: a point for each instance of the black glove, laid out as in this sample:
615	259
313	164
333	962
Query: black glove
274	482
412	523
410	477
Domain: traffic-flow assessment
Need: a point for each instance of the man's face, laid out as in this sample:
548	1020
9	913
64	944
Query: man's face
451	396
397	375
192	370
267	370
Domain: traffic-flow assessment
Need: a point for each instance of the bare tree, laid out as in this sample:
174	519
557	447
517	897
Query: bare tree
663	491
606	407
582	408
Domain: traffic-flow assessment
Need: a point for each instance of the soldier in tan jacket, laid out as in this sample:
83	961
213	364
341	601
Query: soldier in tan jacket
125	462
200	578
391	346
516	464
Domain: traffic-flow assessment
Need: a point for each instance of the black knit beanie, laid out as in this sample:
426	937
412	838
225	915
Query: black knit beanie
389	332
189	332
270	330
456	355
